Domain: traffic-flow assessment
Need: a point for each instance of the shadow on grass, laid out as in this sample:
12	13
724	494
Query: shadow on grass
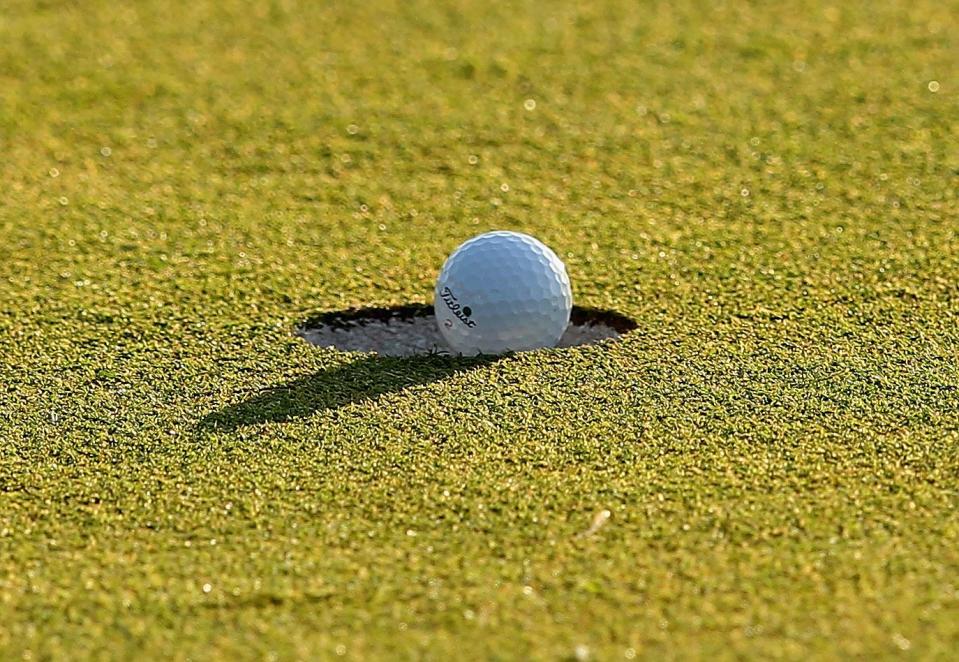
359	381
372	376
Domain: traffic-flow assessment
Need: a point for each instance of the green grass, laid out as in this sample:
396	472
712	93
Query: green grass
769	191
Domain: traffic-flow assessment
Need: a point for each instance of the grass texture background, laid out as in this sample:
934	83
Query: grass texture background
768	189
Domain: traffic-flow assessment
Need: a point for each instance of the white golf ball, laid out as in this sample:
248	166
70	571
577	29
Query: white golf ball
501	292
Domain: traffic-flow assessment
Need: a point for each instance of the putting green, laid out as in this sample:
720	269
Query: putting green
766	467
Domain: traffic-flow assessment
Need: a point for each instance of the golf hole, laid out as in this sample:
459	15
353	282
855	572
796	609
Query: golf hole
410	330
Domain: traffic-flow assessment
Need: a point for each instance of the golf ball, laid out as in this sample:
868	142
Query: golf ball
500	292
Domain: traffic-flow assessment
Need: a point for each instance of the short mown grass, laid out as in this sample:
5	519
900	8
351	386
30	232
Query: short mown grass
769	190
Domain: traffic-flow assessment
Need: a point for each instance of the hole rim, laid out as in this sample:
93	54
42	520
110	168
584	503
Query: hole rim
349	318
358	317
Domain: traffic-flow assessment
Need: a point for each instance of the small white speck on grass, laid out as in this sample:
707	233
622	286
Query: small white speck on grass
207	588
581	652
105	151
933	86
599	521
901	642
529	104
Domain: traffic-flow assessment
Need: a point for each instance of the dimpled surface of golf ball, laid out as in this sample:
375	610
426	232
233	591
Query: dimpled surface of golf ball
500	292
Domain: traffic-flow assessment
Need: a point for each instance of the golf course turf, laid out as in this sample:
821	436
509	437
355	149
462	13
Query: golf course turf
766	467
